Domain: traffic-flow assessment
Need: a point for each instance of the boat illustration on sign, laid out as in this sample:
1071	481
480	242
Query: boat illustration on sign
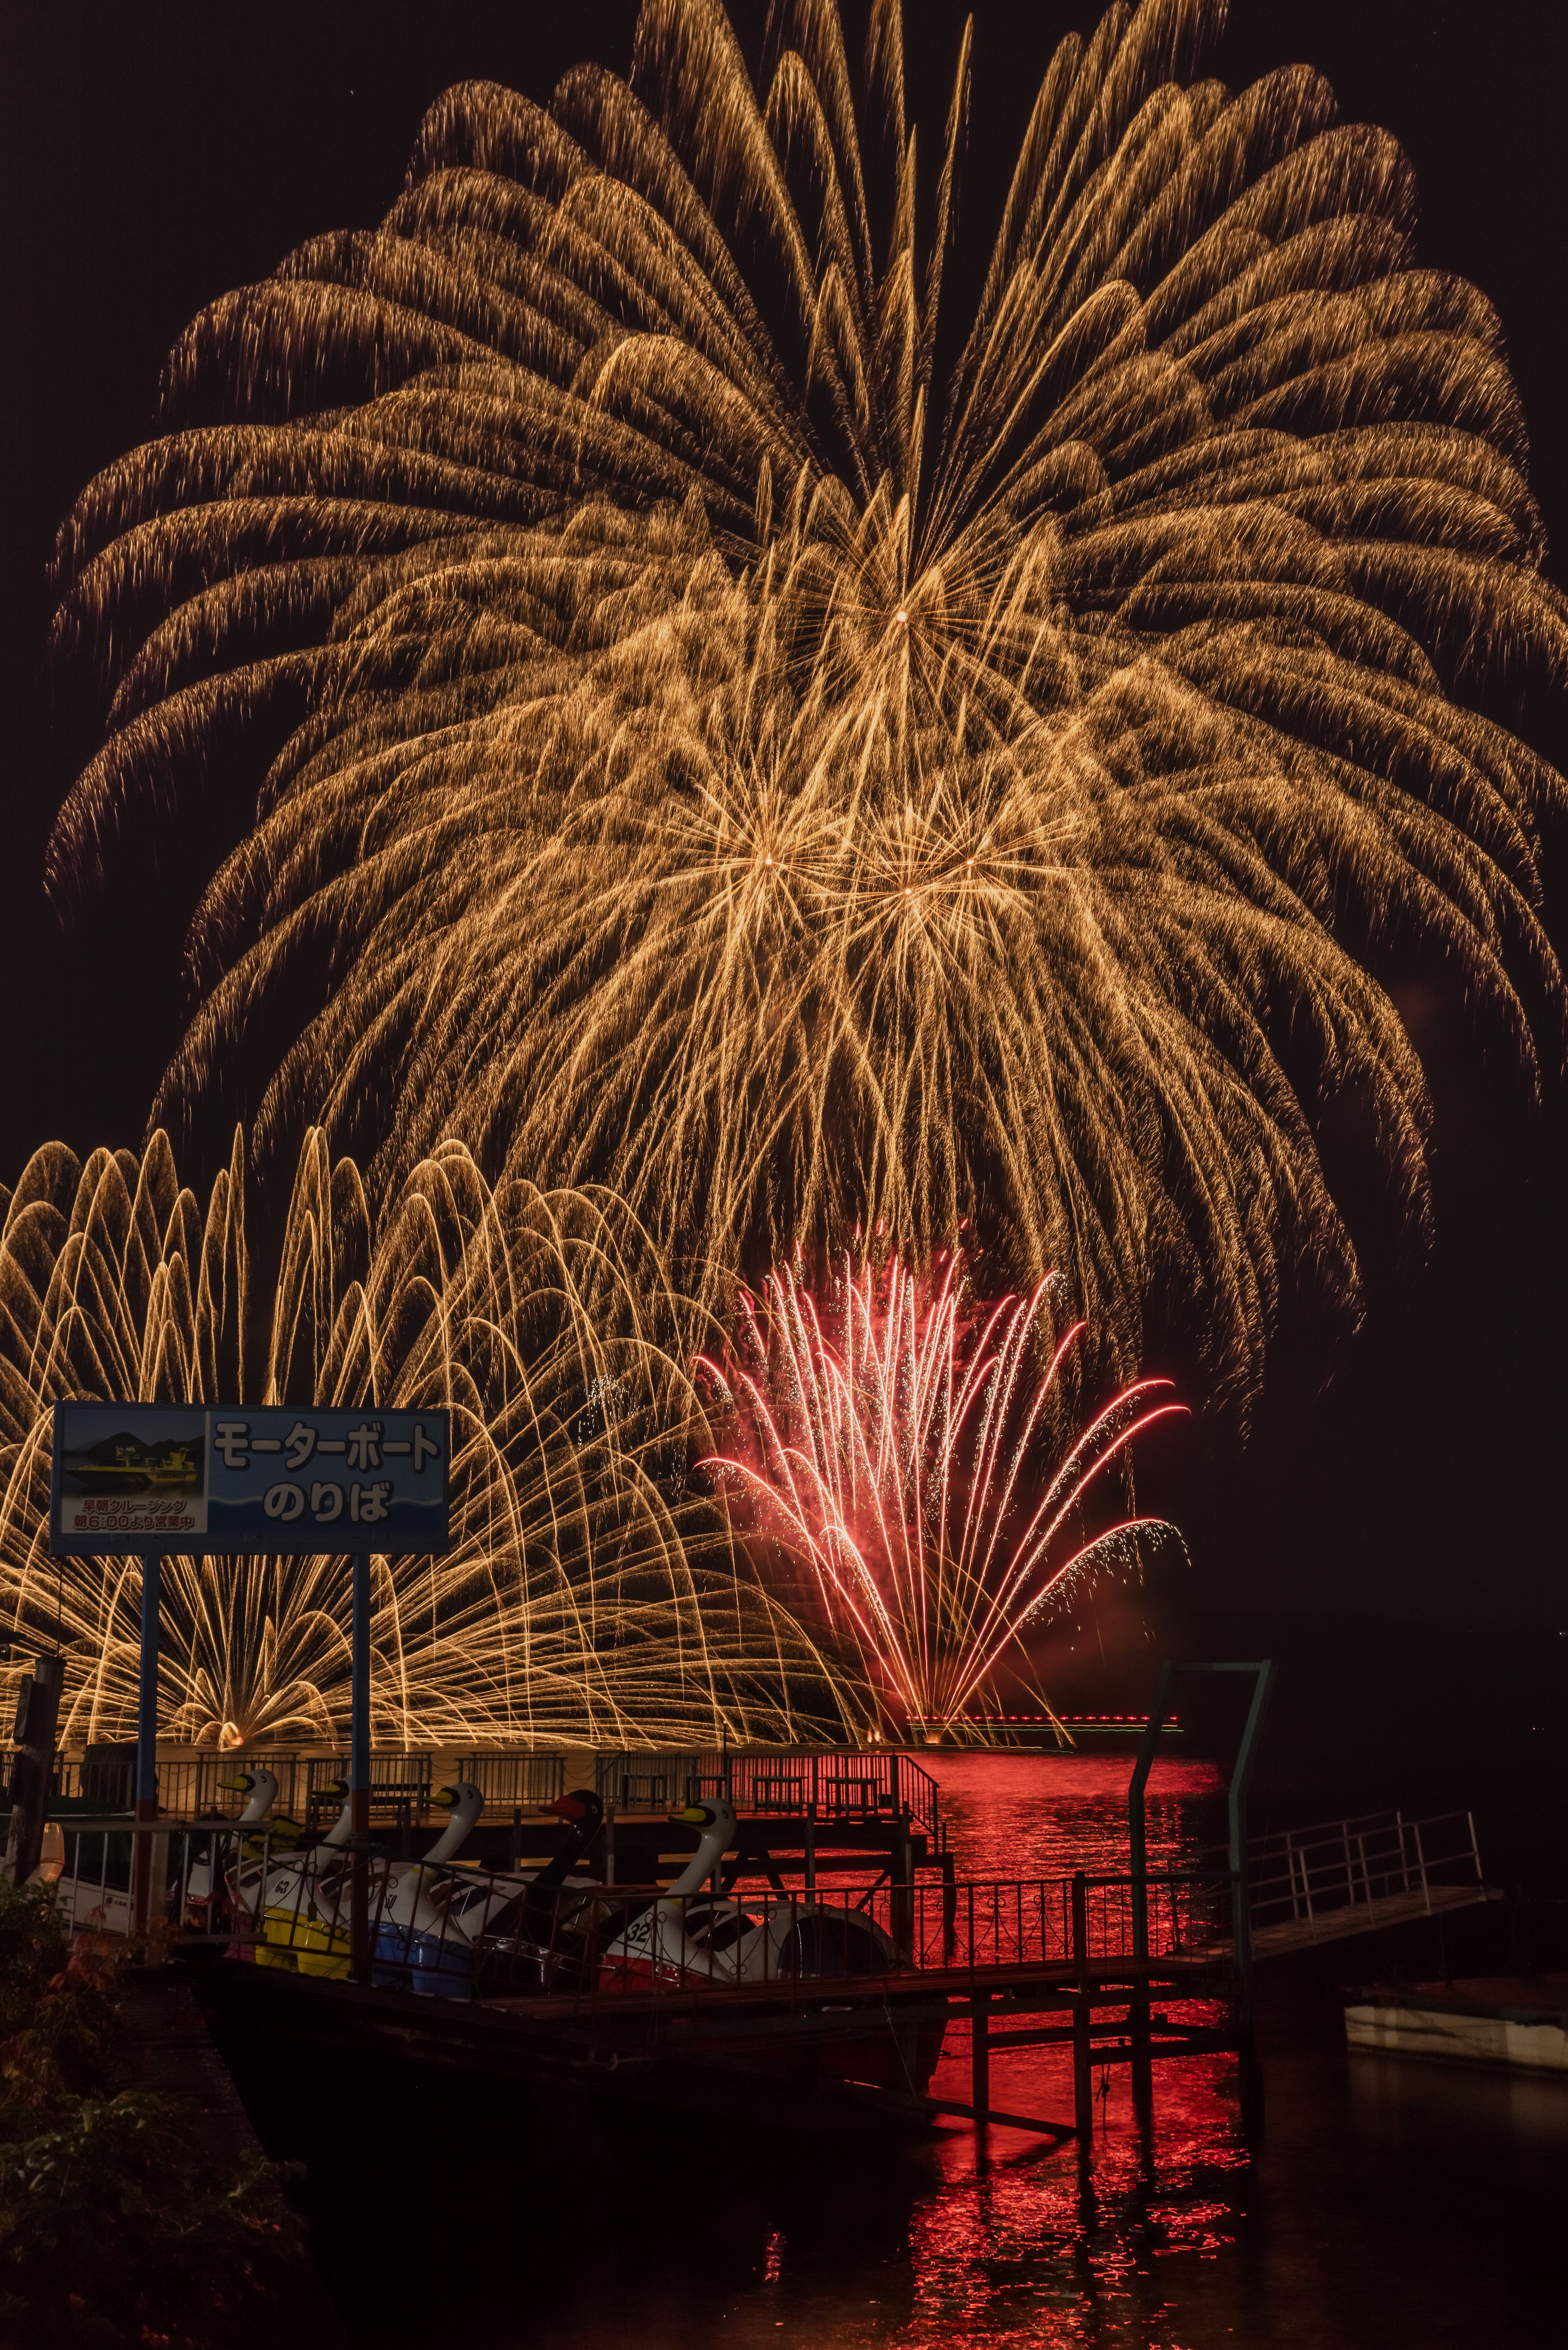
125	1464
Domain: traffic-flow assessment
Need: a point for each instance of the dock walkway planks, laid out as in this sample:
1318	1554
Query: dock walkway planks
1337	1925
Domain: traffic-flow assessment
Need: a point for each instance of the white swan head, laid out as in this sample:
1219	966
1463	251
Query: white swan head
260	1789
342	1827
714	1819
465	1803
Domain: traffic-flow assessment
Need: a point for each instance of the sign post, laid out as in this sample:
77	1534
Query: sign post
147	1736
156	1478
359	1776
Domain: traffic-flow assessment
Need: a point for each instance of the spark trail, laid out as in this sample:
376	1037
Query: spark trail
707	750
590	1596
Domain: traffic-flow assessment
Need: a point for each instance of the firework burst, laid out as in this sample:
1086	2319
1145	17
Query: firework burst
705	750
911	1460
590	1596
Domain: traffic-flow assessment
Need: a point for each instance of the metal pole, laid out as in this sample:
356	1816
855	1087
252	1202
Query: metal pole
147	1695
1251	2081
360	1773
1137	1840
32	1764
1241	1777
900	1904
1137	1856
147	1735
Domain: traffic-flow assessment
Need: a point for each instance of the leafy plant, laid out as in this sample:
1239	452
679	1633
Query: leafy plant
115	2226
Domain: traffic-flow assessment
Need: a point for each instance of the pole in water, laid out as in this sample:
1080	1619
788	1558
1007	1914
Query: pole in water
147	1732
359	1772
979	2074
1082	2023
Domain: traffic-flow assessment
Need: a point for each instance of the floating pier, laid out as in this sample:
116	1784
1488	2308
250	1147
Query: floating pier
1518	2023
1134	1967
1018	1964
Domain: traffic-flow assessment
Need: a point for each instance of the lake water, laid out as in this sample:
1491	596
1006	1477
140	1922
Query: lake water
1389	2204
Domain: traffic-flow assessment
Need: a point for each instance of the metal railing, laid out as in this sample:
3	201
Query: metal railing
747	1942
459	1931
188	1785
509	1780
402	1785
473	1933
400	1788
876	1782
1299	1875
128	1880
194	1786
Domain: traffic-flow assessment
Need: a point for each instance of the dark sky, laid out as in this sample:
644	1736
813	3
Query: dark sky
161	155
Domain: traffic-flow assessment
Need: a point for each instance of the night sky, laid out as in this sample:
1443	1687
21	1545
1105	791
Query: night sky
158	156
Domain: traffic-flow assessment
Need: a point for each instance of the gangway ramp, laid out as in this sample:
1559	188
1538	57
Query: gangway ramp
1362	1875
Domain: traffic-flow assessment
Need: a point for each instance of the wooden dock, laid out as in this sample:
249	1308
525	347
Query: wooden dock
714	2050
1092	1962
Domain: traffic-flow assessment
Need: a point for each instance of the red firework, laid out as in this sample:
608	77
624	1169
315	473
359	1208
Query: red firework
902	1458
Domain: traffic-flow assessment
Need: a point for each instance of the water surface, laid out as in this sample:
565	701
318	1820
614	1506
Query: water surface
1390	2204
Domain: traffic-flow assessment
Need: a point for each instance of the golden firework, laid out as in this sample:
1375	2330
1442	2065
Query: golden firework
709	752
590	1595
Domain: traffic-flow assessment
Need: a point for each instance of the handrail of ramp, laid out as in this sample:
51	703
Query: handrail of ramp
1305	1876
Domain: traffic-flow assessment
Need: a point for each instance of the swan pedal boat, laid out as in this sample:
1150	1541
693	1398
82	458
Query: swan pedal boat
104	1900
688	1935
433	1924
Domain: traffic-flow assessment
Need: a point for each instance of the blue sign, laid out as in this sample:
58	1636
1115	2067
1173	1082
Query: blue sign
169	1477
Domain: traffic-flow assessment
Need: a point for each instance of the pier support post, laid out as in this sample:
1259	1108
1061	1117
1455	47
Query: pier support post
901	1893
1263	1672
1082	2019
359	1774
147	1739
979	2067
1138	1854
1142	2066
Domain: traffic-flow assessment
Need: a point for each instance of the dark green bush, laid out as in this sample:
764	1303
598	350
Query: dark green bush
114	2226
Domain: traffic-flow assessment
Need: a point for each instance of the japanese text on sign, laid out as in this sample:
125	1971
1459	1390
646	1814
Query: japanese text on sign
127	1476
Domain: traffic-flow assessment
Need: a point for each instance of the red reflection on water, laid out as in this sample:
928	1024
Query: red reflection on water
1045	1815
1027	2250
934	2249
1023	2249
